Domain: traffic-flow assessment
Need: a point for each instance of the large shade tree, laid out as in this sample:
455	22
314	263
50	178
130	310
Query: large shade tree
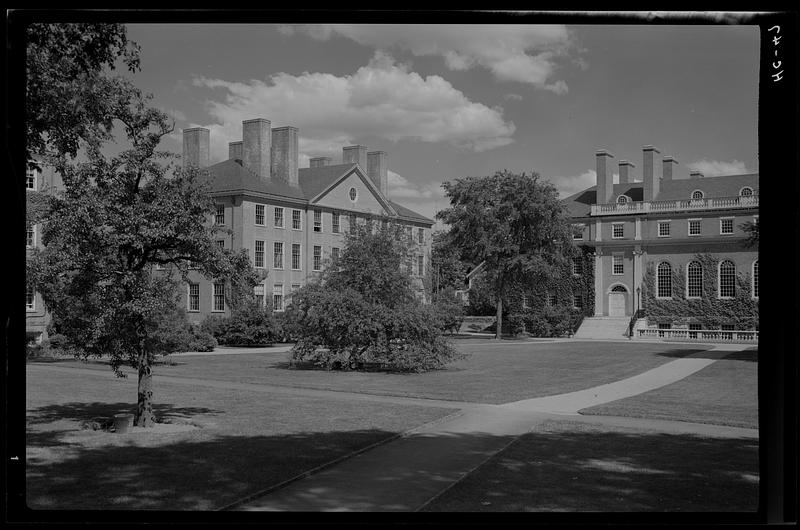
512	223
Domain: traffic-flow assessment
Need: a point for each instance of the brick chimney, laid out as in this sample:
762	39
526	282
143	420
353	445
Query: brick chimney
355	154
695	175
196	147
257	147
625	172
284	154
605	180
651	182
319	161
235	150
668	165
378	171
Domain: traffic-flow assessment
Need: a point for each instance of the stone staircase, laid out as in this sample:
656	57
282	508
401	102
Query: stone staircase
603	328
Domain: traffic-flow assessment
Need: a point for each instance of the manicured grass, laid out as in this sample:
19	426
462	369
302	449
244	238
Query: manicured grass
249	441
724	393
493	373
570	466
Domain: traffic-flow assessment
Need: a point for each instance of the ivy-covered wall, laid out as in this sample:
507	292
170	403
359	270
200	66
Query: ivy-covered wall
709	311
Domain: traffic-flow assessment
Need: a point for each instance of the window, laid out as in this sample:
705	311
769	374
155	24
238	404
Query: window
617	264
219	297
30	237
334	254
577	232
296	256
277	297
617	230
662	326
664	280
693	329
221	243
577	301
259	255
295	287
335	223
351	222
755	279
297	223
277	258
194	297
663	229
260	214
408	233
552	300
726	226
746	192
353	194
420	265
317	221
278	217
694	227
577	266
727	279
219	217
420	236
30	179
694	280
258	291
30	299
622	199
697	195
317	258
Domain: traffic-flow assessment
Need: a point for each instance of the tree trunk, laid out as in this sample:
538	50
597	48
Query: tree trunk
499	318
144	404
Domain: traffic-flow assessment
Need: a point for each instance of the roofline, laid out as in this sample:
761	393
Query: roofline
367	181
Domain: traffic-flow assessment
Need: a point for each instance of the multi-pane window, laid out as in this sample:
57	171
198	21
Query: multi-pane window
577	301
335	223
30	179
297	223
694	280
727	279
697	195
408	233
663	229
664	280
351	221
296	256
622	199
30	299
194	297
693	329
617	264
334	254
278	217
258	291
577	266
420	236
746	192
577	232
317	258
694	227
552	300
617	230
30	237
259	254
277	297
221	243
277	257
420	265
726	226
317	221
219	217
755	279
219	297
260	214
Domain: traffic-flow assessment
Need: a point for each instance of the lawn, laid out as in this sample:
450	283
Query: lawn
571	466
493	373
249	442
724	393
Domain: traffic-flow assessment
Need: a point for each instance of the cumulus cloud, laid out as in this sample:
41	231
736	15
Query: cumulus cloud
383	99
523	53
425	198
712	168
515	97
567	186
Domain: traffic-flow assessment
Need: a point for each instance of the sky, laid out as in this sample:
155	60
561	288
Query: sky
450	101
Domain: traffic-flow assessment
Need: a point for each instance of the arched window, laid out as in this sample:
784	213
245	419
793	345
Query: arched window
694	280
664	280
619	289
697	195
727	279
622	199
746	192
755	279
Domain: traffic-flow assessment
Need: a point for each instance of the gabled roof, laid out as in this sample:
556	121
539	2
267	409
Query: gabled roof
315	180
579	204
405	212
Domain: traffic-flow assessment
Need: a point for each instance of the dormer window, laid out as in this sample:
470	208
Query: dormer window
623	199
697	195
746	192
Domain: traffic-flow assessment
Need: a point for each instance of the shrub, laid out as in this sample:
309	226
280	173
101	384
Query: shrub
249	325
449	311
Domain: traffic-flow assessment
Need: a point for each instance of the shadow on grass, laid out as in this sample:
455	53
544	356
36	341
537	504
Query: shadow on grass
750	354
612	472
746	355
87	411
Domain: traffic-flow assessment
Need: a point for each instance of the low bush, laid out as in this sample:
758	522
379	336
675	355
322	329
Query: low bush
250	325
449	311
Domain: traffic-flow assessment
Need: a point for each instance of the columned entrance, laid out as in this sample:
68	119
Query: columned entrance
616	301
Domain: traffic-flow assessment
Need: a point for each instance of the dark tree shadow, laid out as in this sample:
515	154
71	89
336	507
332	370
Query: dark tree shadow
700	352
750	355
87	411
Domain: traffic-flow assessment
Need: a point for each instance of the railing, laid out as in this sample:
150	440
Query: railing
719	203
636	315
700	334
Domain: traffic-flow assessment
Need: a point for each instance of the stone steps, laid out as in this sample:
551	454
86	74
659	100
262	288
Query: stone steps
603	328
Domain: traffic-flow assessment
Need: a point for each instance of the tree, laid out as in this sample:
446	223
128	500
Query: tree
116	219
447	270
514	223
751	228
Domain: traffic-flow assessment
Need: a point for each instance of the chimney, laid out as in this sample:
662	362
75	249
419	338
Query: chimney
695	175
319	161
196	147
284	154
235	150
625	172
605	180
257	147
378	171
668	165
355	154
651	183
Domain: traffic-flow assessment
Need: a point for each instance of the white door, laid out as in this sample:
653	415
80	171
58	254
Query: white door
616	304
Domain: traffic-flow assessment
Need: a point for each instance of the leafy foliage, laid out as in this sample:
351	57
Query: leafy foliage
248	325
446	269
751	229
449	310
